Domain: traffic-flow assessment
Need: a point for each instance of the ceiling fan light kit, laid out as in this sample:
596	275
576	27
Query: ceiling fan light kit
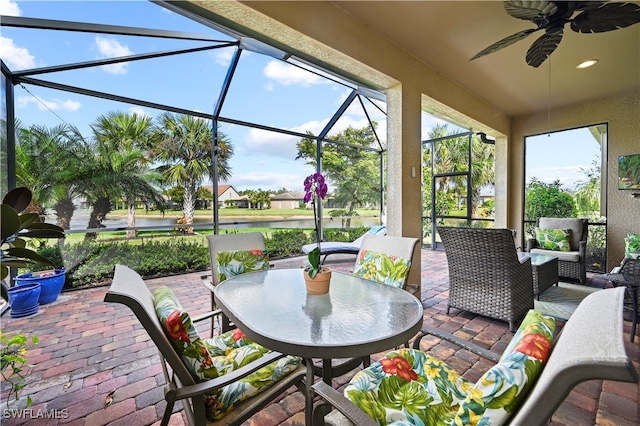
586	64
551	17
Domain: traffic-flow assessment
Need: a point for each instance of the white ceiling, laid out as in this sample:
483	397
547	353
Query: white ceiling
445	34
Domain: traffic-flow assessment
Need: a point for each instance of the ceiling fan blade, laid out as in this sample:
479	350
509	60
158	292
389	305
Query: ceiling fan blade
607	17
507	41
530	9
543	47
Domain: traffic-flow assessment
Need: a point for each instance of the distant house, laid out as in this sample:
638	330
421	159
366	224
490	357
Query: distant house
227	195
287	200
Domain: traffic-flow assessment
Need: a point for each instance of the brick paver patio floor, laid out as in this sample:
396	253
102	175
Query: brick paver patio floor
90	352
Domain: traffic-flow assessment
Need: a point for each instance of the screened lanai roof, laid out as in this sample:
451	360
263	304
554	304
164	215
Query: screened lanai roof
263	98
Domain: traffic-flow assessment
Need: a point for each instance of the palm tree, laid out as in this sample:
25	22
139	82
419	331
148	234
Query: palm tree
129	136
184	144
46	161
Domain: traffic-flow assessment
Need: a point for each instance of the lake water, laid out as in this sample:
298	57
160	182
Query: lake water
80	220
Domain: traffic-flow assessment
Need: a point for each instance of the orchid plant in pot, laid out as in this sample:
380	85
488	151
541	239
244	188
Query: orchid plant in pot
315	189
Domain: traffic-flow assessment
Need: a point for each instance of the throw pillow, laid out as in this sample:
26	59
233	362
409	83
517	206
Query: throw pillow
236	262
381	267
553	239
498	393
632	245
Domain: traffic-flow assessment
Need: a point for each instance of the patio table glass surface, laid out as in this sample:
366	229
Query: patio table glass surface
356	318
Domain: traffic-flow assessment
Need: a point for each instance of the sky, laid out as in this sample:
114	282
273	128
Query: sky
264	90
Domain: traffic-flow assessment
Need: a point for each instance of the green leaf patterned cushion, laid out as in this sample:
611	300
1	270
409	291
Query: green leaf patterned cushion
411	387
408	386
553	239
236	262
381	267
499	392
183	335
632	245
218	356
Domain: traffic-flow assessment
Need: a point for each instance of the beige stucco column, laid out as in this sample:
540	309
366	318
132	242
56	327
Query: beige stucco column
404	217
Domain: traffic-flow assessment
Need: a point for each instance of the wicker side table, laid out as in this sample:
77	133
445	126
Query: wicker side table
545	271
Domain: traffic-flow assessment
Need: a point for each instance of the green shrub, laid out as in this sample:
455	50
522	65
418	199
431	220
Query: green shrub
286	243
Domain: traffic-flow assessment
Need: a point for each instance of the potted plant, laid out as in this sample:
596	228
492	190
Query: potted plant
317	278
17	229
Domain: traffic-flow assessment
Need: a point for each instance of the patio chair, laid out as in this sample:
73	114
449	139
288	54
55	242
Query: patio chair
386	259
590	347
233	254
186	378
485	275
571	258
335	247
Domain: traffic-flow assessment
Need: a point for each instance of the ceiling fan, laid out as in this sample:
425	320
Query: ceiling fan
552	16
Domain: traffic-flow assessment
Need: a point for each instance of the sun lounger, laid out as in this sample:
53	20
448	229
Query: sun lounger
335	247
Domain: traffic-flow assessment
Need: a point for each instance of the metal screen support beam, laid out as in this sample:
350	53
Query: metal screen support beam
215	149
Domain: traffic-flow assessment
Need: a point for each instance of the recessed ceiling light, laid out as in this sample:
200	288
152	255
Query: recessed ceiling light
586	64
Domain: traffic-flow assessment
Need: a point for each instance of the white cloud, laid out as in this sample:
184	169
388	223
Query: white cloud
284	146
222	56
9	8
567	175
139	111
111	48
275	144
54	104
289	75
16	58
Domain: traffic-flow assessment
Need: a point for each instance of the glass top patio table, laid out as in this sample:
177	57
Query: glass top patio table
356	318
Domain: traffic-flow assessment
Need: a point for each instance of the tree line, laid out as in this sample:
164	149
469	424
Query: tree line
129	158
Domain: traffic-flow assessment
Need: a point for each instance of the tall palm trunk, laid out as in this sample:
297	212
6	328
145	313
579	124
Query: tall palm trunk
131	219
99	211
188	205
64	210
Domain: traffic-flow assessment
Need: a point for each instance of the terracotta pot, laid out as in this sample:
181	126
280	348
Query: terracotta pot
320	283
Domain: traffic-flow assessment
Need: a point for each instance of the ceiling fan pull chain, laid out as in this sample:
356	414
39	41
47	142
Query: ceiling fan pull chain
549	101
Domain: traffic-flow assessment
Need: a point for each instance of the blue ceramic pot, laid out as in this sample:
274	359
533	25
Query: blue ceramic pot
23	299
51	283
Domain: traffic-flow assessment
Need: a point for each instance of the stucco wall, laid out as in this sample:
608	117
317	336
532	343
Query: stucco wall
622	114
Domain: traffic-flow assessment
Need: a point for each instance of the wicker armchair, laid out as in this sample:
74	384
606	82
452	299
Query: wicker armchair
571	264
485	275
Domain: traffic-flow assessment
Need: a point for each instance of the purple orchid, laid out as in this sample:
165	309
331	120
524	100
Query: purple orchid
315	187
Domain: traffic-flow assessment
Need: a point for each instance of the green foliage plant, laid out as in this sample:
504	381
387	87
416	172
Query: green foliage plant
548	200
13	362
18	229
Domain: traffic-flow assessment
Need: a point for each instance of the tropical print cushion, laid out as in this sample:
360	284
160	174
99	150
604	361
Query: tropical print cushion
236	262
500	390
210	358
410	387
632	245
553	239
183	335
381	267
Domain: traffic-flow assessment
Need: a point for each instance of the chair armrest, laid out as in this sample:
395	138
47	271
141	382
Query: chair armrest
222	381
582	248
465	344
531	243
206	315
207	282
342	404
